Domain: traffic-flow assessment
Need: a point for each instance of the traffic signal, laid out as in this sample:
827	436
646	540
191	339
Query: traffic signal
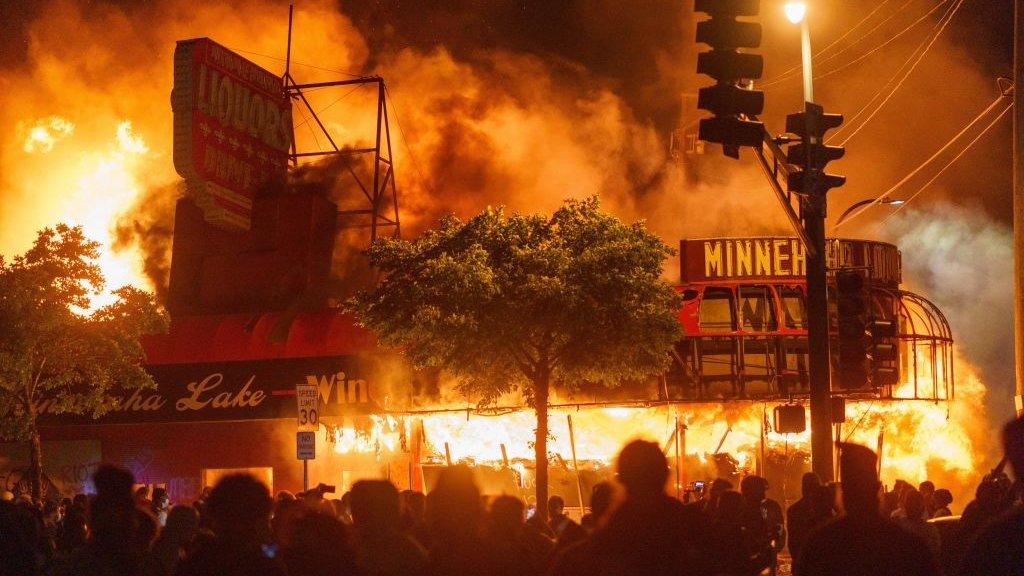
811	154
851	325
882	353
730	101
790	419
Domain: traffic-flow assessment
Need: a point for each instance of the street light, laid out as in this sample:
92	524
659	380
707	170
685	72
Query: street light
854	206
796	12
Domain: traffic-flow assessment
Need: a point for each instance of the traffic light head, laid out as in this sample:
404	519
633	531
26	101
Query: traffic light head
812	122
731	104
811	155
729	34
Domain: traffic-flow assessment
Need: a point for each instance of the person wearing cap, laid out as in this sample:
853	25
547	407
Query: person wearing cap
863	543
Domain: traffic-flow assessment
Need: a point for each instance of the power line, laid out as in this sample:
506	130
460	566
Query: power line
886	43
921	46
906	75
923	165
834	42
820	59
950	163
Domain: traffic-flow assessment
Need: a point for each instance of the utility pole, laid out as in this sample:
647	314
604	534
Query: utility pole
809	178
1018	203
812	213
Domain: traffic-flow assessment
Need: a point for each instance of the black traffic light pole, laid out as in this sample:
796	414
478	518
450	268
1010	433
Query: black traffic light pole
812	213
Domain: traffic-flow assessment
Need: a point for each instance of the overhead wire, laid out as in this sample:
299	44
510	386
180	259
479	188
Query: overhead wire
886	43
906	74
908	62
821	58
950	163
796	68
923	165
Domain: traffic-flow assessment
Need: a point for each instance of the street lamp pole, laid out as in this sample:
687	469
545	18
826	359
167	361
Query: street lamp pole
812	212
805	56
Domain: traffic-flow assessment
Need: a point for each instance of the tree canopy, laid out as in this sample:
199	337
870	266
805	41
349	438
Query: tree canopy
56	356
507	301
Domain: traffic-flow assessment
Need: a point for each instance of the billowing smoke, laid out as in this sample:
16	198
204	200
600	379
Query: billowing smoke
963	261
489	105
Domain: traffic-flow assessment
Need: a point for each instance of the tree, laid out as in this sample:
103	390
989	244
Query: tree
506	302
55	357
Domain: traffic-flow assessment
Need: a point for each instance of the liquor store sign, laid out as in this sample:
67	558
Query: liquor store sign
248	390
783	259
232	130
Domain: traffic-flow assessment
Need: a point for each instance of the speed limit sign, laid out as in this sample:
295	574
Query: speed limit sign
309	400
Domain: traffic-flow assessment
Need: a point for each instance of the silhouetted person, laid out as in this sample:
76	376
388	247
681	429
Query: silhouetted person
454	517
862	542
319	546
942	499
999	548
803	516
239	509
990	502
733	550
19	537
709	500
602	497
174	541
160	505
763	519
915	521
566	530
515	549
414	524
650	533
382	548
927	490
118	538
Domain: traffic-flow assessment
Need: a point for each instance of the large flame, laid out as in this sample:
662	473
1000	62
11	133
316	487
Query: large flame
945	440
99	181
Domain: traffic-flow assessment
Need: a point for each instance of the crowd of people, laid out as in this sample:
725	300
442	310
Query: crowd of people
634	527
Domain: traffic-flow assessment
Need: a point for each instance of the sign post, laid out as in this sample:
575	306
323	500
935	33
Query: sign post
308	419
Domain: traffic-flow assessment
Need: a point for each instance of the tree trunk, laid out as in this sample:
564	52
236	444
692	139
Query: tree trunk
35	465
540	404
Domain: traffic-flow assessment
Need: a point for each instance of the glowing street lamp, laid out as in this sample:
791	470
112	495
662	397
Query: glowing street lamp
796	12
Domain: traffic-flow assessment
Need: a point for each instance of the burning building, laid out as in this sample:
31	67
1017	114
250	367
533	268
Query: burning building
251	319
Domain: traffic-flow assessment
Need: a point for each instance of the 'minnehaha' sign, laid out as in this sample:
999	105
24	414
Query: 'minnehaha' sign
232	129
783	258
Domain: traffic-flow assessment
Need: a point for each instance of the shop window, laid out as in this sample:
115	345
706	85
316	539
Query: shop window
793	307
717	310
757	309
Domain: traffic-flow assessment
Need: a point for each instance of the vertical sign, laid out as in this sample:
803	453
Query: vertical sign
309	410
232	130
305	446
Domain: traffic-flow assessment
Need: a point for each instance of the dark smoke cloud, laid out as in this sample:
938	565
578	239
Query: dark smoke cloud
149	224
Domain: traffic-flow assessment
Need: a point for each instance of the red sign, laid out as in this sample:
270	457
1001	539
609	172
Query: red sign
723	259
232	130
